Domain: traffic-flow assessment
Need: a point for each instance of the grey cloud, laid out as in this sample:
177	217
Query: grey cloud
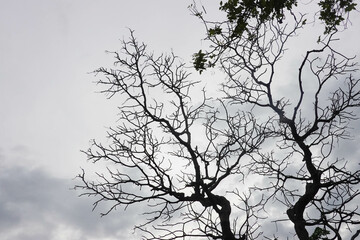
34	205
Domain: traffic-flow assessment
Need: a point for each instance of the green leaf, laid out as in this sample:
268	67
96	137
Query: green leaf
318	233
214	31
199	61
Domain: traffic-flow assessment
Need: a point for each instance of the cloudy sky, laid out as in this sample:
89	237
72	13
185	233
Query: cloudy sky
49	109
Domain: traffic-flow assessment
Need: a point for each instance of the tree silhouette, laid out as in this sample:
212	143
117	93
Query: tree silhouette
193	158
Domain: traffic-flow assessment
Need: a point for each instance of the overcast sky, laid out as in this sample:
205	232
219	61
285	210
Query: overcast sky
49	109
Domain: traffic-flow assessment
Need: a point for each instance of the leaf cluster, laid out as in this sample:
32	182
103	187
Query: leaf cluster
240	12
333	11
199	61
318	233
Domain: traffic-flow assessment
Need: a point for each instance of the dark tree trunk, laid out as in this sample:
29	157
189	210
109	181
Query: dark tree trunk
296	214
224	214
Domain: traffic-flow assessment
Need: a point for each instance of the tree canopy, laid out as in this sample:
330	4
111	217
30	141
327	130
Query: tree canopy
242	15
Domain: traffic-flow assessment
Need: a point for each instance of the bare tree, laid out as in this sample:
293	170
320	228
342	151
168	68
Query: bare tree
309	122
172	152
191	158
